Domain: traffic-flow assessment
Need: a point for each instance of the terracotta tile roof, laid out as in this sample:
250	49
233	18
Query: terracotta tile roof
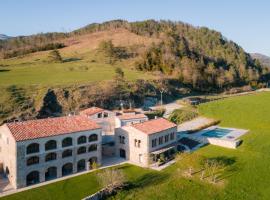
154	126
131	116
91	111
41	128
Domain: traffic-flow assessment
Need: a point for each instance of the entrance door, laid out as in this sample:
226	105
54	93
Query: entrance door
122	153
140	158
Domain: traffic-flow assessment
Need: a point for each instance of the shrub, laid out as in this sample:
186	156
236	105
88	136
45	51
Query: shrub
181	115
111	179
155	113
54	56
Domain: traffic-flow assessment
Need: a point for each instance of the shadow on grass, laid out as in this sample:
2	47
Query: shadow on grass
4	70
150	178
225	160
71	59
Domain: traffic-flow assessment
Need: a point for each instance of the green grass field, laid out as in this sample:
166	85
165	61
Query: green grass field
246	178
34	69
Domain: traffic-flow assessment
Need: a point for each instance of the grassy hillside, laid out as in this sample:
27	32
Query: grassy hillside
193	58
245	177
82	62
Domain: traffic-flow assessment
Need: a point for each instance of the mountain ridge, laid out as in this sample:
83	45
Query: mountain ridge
264	59
4	37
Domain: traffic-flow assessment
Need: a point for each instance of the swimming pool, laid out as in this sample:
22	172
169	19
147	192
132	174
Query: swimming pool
217	133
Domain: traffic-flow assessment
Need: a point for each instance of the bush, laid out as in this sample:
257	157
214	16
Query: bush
182	115
21	52
54	56
155	113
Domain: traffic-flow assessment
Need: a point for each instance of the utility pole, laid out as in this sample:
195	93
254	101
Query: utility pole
161	96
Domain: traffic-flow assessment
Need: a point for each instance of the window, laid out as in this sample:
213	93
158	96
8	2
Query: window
93	138
139	143
81	140
154	142
67	153
50	145
32	178
81	150
166	138
160	140
67	169
105	115
121	139
67	142
51	173
32	148
50	156
172	136
99	115
32	160
81	165
92	147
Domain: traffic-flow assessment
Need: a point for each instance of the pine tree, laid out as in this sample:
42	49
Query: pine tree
54	56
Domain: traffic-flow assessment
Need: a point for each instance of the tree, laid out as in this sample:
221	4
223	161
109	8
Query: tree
54	56
111	179
119	73
108	49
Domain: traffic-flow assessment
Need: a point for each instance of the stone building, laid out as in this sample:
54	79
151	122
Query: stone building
129	118
105	118
146	143
40	150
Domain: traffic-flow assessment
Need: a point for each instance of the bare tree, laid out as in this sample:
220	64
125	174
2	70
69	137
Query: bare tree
111	179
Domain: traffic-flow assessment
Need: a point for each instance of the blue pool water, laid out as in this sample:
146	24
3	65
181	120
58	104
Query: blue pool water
218	133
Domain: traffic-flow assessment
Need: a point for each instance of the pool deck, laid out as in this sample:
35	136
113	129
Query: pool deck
229	140
231	136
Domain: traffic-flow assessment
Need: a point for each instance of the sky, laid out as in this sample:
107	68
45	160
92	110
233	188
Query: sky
246	22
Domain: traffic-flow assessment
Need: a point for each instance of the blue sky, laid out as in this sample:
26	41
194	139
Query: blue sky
243	21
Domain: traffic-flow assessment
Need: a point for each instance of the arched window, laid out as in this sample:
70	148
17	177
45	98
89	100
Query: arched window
81	150
51	173
32	160
50	156
67	153
81	140
32	178
67	169
51	144
67	142
32	148
93	137
81	165
92	147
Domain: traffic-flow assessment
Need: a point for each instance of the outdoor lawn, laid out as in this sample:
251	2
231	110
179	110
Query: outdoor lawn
34	69
246	176
82	186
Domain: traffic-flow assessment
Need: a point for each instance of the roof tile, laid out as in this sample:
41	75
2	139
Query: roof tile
154	126
41	128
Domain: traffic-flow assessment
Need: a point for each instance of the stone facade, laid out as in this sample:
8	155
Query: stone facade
106	119
136	153
15	156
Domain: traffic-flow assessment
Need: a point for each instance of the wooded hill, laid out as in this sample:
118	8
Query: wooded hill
196	56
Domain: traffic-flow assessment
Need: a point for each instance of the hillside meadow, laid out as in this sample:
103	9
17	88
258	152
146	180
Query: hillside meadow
245	177
35	69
